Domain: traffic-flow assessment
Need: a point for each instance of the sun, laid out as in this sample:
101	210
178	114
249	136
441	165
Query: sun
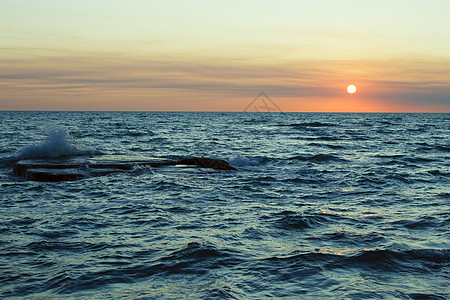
351	89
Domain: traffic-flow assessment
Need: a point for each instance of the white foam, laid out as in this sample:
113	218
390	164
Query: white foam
240	161
56	144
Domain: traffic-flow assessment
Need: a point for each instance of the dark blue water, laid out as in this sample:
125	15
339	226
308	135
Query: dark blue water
328	206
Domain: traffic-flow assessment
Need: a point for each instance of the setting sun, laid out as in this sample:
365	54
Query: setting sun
351	89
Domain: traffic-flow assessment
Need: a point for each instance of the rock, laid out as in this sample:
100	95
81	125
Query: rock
79	167
48	170
203	162
52	175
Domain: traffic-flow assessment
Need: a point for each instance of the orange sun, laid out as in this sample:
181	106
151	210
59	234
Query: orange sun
351	89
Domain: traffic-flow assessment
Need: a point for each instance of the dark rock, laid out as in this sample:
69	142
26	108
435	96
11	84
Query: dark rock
79	167
53	175
204	162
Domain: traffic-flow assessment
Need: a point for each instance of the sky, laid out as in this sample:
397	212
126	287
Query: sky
198	55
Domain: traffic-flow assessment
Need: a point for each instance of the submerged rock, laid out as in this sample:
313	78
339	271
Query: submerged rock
79	167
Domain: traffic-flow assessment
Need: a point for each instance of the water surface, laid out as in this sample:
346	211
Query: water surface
322	206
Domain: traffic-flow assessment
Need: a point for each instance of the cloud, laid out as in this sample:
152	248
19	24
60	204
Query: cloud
72	78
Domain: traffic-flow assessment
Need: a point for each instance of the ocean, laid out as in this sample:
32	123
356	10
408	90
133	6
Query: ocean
320	206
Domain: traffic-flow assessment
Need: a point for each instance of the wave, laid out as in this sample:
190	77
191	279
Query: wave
242	161
307	124
389	260
430	254
318	158
249	161
196	250
56	144
299	222
421	223
7	162
196	258
443	148
291	220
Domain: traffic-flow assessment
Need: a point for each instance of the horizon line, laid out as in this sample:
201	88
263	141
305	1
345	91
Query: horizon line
226	111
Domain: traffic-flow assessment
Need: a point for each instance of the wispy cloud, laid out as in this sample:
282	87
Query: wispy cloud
73	78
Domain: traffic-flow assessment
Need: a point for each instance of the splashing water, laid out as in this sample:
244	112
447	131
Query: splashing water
56	144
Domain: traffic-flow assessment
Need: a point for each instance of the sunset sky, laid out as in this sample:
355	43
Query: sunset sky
203	55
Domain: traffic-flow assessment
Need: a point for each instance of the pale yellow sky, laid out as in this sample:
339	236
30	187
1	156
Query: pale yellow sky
211	55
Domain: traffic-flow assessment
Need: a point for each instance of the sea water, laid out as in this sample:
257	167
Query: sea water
322	206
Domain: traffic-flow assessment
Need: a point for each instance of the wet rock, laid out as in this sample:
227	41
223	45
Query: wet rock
204	162
52	175
79	167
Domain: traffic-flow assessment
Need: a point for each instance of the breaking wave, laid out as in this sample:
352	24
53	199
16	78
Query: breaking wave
56	144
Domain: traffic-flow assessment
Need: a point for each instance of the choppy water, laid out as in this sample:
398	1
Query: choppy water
352	206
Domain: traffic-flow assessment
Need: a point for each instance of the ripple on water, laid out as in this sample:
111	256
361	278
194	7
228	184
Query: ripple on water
322	206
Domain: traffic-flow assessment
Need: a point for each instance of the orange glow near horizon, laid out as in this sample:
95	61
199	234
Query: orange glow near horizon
216	84
353	104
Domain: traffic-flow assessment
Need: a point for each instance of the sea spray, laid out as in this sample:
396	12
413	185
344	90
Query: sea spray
56	144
